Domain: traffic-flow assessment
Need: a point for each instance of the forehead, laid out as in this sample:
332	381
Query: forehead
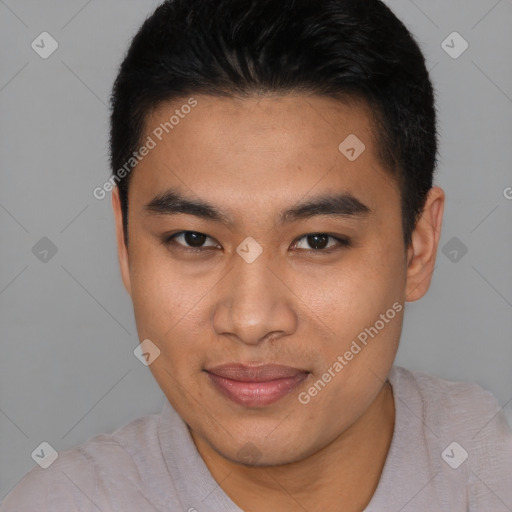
268	147
253	122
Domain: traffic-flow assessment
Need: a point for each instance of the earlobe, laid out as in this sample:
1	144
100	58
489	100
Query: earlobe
422	251
122	250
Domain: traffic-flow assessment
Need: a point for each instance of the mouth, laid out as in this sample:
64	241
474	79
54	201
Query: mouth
255	386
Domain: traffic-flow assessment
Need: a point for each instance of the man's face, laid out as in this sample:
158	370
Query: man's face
300	303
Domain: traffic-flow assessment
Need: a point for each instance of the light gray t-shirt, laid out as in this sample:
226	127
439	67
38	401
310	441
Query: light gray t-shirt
451	451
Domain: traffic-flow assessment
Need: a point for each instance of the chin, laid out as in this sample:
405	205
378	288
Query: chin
262	452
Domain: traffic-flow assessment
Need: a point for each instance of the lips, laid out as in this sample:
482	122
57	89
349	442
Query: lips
255	386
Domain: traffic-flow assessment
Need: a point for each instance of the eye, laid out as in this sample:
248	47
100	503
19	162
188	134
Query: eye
320	242
191	240
194	241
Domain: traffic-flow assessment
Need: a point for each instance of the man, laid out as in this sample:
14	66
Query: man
275	210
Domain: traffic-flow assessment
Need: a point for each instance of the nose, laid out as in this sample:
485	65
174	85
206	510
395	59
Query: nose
254	303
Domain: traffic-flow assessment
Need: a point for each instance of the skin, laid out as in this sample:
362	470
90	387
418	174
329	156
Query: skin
294	305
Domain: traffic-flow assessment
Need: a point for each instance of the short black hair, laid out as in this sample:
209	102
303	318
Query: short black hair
345	49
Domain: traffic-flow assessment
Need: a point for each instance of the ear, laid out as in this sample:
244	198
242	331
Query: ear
421	253
122	250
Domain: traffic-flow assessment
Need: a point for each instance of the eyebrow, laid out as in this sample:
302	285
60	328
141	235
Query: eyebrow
342	205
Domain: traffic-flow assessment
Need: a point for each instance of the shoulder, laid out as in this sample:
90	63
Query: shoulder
75	480
468	435
451	403
65	485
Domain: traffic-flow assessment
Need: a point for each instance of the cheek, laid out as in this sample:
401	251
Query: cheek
169	306
155	293
352	294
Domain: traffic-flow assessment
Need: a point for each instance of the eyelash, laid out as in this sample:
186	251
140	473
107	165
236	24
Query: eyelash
343	242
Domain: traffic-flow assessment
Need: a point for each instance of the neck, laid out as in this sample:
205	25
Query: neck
345	472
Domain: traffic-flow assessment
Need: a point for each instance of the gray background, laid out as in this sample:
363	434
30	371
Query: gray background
67	369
